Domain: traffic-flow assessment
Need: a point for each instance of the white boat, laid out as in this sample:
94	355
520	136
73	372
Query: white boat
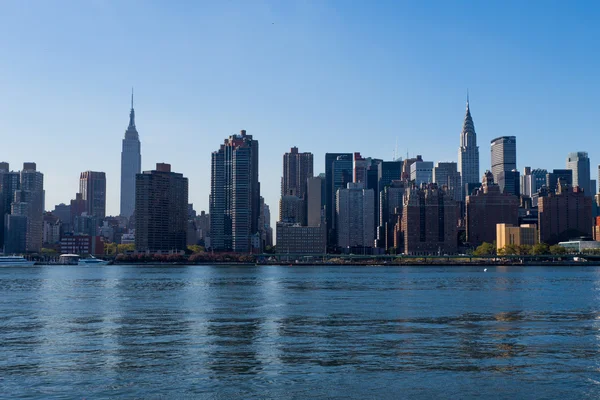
92	261
11	261
68	259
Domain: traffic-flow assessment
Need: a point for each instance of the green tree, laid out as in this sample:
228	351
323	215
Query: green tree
557	250
195	248
540	249
485	249
110	249
122	248
509	250
525	249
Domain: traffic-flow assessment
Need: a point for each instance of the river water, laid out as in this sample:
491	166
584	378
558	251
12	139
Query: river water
223	332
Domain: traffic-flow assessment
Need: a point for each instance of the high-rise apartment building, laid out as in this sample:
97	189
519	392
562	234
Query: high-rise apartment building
11	182
468	153
504	157
579	163
131	165
29	202
297	168
488	207
429	220
446	174
235	194
161	210
355	206
564	215
92	186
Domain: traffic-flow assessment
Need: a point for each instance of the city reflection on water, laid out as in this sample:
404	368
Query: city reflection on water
297	332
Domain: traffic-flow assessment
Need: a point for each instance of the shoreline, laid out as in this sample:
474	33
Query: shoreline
407	263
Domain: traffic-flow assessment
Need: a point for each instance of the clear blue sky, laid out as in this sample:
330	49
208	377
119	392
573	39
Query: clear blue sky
323	76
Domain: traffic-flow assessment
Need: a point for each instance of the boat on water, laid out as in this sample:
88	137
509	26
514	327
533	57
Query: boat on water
92	261
12	261
76	259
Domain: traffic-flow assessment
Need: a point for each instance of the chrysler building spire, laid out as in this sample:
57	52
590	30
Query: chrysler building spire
468	154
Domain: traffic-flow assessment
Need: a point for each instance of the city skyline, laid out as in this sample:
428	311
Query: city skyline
508	87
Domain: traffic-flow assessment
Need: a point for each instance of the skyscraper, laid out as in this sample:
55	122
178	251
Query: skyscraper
333	181
355	206
161	210
29	202
579	163
11	182
468	153
429	219
504	158
235	194
131	165
297	168
92	186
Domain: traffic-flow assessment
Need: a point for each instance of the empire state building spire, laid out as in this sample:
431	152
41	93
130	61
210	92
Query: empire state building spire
131	164
468	153
131	114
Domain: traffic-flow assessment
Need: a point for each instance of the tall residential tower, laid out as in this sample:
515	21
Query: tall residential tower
468	154
234	194
131	164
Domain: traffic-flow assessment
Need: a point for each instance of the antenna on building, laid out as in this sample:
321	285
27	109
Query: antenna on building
396	150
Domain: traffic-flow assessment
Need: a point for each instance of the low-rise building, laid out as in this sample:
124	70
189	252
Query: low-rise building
580	246
82	245
507	234
297	239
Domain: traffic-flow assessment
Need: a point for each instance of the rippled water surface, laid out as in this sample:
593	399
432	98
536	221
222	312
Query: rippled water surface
299	332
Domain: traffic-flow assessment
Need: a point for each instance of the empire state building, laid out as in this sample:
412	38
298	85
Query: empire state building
131	164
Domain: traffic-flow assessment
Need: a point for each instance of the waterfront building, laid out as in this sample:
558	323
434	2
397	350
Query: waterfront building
298	239
92	186
338	173
429	221
131	165
446	174
354	216
82	244
564	214
564	175
579	163
504	157
486	208
580	246
421	172
468	153
507	234
29	202
15	234
11	182
297	168
161	210
235	194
